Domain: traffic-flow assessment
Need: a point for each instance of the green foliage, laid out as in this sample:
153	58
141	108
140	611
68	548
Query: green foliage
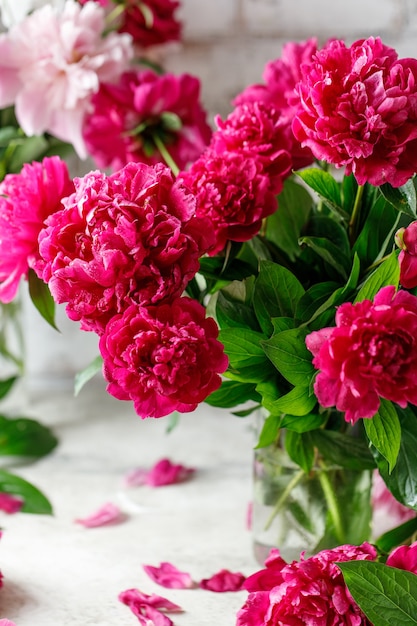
34	500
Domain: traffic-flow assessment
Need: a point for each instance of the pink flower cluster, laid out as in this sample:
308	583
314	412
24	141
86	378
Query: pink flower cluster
127	120
357	108
309	591
370	354
51	85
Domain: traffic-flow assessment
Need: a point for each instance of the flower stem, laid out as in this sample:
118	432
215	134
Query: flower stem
332	503
355	213
281	500
166	155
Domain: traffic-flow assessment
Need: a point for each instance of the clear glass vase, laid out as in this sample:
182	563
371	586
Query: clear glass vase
298	512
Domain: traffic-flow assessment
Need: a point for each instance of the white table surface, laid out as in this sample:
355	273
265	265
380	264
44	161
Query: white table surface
58	573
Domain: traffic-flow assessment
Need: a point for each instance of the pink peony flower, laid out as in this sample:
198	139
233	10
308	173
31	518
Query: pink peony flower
281	76
10	503
128	238
370	354
406	238
309	591
167	575
143	107
223	581
51	85
151	22
257	129
233	191
26	200
387	512
357	108
164	358
404	557
164	472
149	609
107	514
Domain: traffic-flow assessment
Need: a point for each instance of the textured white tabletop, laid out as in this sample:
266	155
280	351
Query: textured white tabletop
58	573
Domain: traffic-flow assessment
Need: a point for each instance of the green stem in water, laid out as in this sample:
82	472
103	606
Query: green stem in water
332	503
355	214
166	155
282	499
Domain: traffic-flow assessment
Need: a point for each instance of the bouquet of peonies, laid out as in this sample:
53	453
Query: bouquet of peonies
271	261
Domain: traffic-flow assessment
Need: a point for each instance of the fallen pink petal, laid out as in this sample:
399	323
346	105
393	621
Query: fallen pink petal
107	514
164	472
149	609
10	504
6	622
167	575
223	581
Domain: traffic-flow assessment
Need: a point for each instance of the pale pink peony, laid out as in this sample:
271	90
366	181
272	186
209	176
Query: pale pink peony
9	503
106	514
306	592
26	200
127	238
169	576
406	238
127	116
163	473
51	63
281	76
233	191
404	557
257	129
223	581
358	108
370	354
164	358
149	609
387	512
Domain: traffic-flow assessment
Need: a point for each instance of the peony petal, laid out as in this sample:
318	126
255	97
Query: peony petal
149	609
164	472
6	622
107	514
10	503
167	575
224	580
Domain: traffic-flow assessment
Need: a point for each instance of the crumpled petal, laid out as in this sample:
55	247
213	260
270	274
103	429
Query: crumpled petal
107	514
167	575
164	472
6	622
10	503
224	580
149	609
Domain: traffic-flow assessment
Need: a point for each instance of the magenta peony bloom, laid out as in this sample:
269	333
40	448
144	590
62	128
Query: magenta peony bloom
127	238
126	116
51	85
406	238
257	129
404	557
26	200
233	191
164	358
151	22
309	591
357	108
281	76
370	354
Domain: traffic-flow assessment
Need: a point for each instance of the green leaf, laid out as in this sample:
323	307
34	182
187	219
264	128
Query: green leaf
387	273
387	595
41	298
330	253
81	378
384	432
269	432
377	232
6	385
288	352
34	500
343	450
284	226
313	299
25	437
397	536
326	186
27	149
300	449
304	423
297	402
232	393
171	121
233	313
276	294
402	198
